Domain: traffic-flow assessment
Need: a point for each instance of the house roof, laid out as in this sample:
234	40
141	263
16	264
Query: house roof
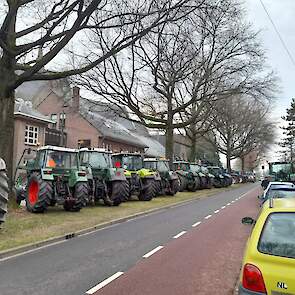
108	120
111	129
24	109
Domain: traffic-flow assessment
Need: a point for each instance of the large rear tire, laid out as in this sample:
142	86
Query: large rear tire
149	190
4	190
80	195
39	193
119	192
182	183
174	187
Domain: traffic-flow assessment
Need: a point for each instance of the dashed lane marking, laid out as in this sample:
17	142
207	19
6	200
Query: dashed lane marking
228	204
208	216
179	235
216	211
104	283
232	202
222	207
196	224
152	252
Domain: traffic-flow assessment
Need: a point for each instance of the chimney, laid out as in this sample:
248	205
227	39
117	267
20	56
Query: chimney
76	98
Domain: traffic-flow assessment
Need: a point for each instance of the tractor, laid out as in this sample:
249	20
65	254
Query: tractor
4	190
168	182
187	179
53	176
206	178
221	179
104	181
142	182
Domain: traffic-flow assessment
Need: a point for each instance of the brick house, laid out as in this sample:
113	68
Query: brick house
81	122
29	128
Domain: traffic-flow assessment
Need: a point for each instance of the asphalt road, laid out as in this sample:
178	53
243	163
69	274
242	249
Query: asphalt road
76	265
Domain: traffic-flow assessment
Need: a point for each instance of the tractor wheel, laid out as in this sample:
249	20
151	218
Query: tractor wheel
159	190
39	193
4	190
119	192
149	190
80	195
182	183
210	182
174	187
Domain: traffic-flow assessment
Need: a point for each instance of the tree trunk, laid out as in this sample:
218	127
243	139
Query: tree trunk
193	149
169	145
7	131
243	163
228	157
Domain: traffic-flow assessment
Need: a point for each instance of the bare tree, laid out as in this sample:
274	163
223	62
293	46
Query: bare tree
240	126
29	25
168	78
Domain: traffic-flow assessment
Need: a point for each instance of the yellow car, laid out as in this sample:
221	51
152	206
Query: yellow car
269	260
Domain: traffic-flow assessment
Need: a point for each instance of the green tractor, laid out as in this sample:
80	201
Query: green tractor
206	178
104	182
52	177
282	171
142	182
168	184
4	190
187	179
222	179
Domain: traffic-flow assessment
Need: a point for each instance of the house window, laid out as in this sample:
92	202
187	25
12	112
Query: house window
62	120
84	143
54	118
31	135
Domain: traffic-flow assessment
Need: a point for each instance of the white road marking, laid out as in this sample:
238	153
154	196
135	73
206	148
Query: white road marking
237	199
208	216
232	202
104	283
222	207
179	235
152	252
196	224
216	211
228	204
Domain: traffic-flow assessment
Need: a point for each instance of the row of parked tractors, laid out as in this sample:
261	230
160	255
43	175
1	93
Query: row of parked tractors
76	178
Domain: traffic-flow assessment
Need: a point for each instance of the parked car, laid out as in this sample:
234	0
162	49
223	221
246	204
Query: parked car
269	260
273	185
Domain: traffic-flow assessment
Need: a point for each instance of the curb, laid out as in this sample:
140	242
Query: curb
35	246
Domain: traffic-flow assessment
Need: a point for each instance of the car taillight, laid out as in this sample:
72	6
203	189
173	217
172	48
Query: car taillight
253	279
47	172
82	173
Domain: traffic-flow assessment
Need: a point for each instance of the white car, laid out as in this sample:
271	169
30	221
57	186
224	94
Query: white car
274	184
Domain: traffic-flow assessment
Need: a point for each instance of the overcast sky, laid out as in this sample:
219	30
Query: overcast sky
283	14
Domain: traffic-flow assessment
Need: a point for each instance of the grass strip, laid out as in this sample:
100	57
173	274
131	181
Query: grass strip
22	228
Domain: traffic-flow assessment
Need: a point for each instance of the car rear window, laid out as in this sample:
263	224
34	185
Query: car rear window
278	235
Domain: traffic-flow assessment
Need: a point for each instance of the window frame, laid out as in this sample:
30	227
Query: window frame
262	230
34	138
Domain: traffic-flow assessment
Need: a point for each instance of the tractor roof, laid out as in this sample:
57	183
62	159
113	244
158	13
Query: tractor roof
57	148
127	154
99	150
